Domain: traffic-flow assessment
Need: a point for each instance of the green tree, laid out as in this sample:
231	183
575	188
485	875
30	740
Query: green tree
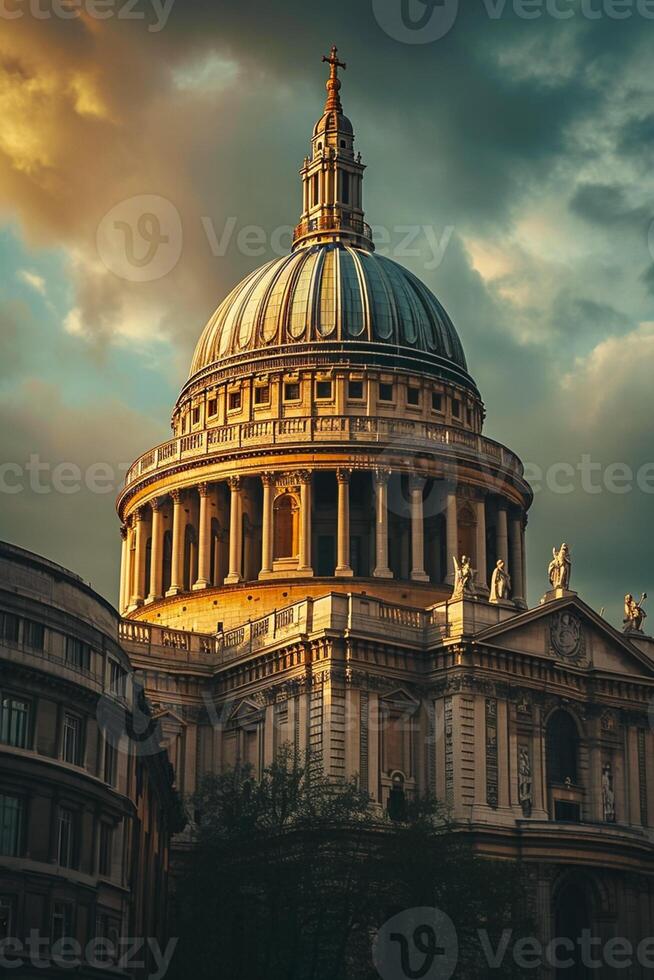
292	875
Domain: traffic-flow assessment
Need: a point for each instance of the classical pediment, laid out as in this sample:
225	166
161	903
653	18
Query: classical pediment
568	631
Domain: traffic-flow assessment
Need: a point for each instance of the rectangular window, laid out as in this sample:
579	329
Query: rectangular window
14	722
291	391
72	743
196	416
355	390
323	389
212	406
456	408
436	401
568	812
469	416
262	395
413	396
9	627
78	654
33	634
117	679
110	763
6	917
62	921
234	401
385	392
105	855
11	826
66	838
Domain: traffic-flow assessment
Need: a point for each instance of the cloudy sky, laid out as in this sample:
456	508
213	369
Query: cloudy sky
519	137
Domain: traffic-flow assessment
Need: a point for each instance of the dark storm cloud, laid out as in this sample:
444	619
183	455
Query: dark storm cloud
520	136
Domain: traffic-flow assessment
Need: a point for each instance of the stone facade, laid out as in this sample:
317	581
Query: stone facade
86	820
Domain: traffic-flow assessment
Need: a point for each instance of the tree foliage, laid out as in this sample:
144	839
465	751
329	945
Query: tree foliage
292	875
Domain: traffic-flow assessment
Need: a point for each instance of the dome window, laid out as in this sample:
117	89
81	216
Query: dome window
355	390
385	392
323	389
212	406
436	401
456	408
413	396
291	391
196	416
235	400
262	395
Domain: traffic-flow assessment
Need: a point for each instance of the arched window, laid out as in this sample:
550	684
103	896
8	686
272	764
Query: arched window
396	806
215	551
167	561
190	556
286	526
562	748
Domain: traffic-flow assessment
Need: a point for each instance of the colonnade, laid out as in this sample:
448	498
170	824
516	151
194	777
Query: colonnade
193	562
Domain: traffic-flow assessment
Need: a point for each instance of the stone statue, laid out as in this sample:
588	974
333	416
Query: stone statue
634	614
463	577
560	568
525	782
500	583
608	796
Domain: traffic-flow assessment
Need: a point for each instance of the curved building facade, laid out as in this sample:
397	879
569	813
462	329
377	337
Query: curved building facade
85	818
296	568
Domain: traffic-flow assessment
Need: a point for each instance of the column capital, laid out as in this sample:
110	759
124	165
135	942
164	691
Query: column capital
123	531
177	495
343	475
203	489
156	504
304	476
416	482
234	483
139	515
381	475
268	479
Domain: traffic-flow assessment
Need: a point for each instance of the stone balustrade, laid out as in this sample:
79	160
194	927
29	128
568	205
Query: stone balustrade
403	433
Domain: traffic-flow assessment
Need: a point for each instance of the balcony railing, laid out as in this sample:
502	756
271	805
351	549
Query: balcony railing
401	433
340	222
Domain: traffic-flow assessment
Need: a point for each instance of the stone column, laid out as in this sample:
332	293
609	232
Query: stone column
503	538
343	536
156	555
381	478
418	574
451	535
204	539
268	481
517	575
235	530
138	585
177	562
124	569
305	523
482	574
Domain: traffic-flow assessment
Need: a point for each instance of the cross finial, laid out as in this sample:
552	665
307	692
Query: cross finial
333	82
333	61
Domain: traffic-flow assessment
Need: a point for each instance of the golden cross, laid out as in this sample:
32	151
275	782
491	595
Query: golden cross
334	62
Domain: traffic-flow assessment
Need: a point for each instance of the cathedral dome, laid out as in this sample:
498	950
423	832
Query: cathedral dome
332	293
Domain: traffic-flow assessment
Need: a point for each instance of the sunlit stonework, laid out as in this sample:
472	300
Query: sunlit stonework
309	560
